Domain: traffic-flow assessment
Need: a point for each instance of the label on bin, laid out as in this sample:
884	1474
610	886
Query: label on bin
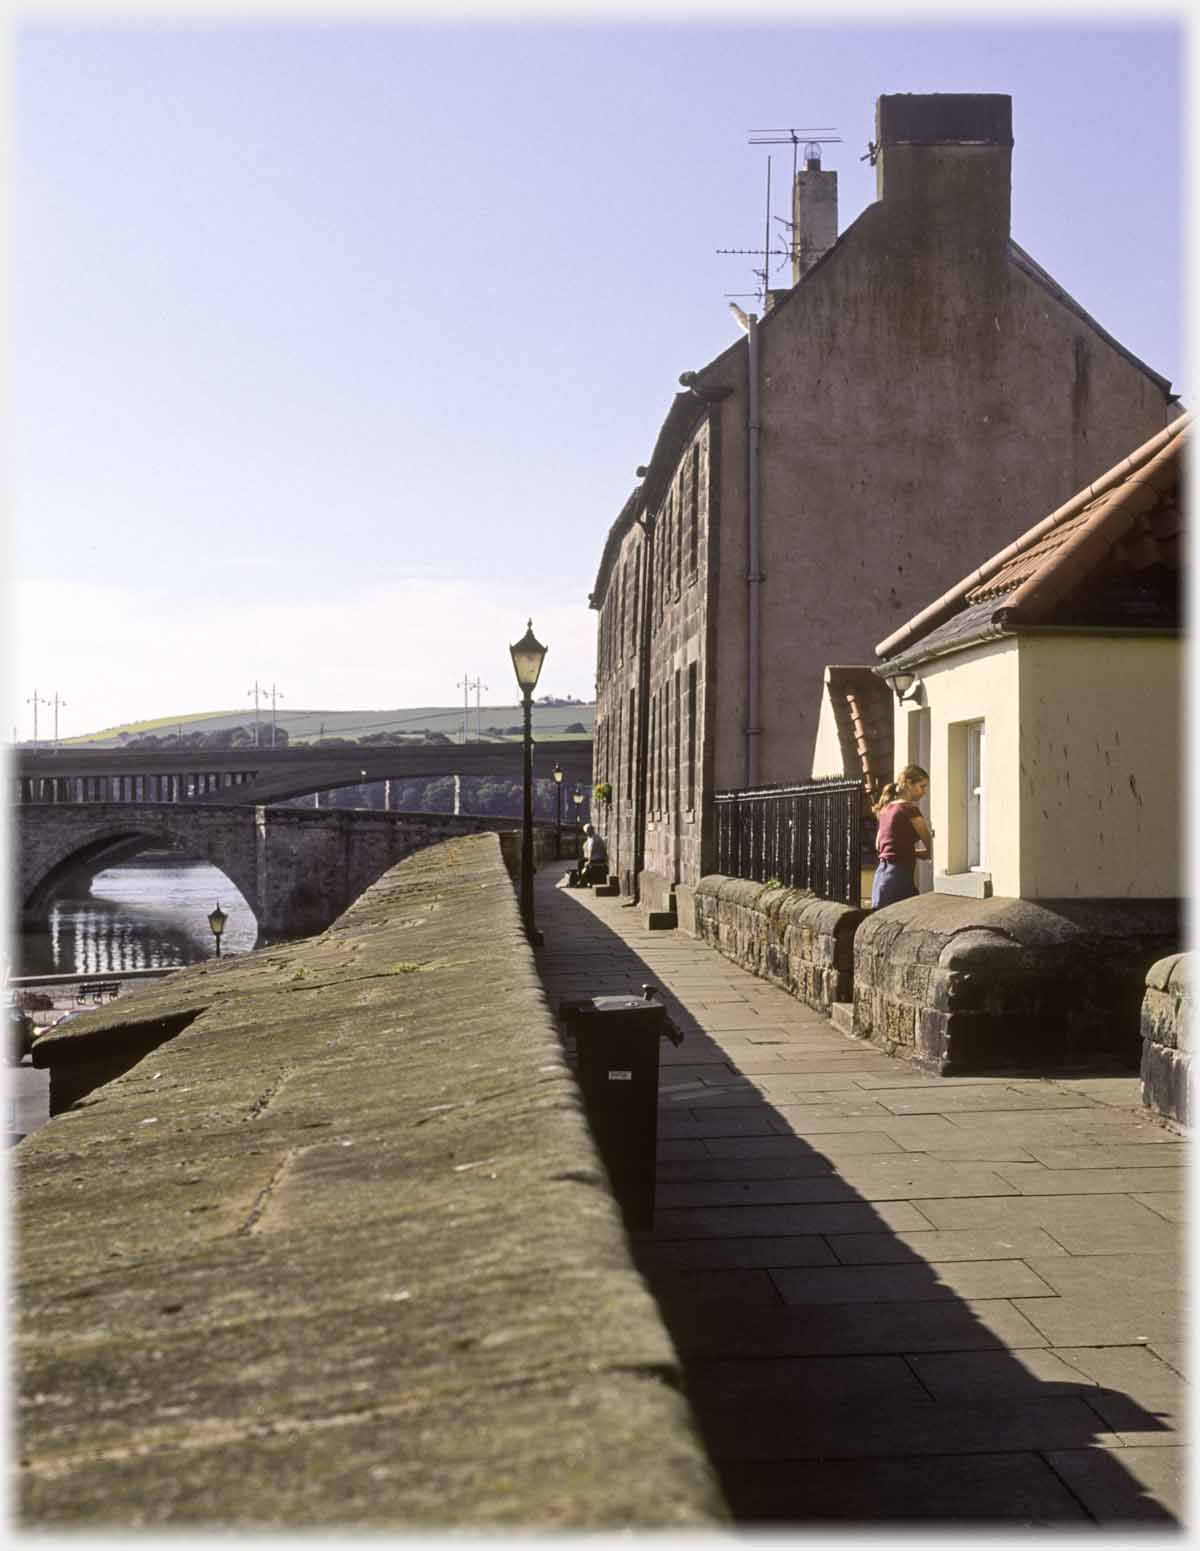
620	1076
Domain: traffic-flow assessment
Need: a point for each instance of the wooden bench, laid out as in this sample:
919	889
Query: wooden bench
97	989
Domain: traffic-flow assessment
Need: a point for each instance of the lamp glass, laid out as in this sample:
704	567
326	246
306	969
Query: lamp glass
528	655
557	773
577	798
901	683
216	921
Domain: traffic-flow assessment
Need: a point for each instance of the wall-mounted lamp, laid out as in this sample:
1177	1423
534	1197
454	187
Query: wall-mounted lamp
906	686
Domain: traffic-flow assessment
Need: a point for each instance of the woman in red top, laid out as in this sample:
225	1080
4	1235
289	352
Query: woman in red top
901	826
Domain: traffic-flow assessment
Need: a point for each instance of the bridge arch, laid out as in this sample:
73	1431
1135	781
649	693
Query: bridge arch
55	843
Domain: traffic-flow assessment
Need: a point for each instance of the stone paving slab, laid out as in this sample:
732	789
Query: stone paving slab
976	1309
1123	1485
802	1249
1137	1395
888	1178
1036	1179
1088	1224
1175	1208
1168	1154
798	1430
850	1216
1002	1490
898	1327
934	1247
922	1282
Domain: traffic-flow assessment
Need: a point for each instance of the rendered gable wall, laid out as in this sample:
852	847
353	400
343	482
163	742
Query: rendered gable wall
1101	767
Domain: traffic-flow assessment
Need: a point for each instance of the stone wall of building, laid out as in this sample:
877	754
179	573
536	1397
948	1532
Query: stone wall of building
966	985
671	576
788	936
340	1256
1168	1038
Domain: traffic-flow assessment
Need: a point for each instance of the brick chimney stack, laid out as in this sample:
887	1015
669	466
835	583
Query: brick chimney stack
944	163
814	214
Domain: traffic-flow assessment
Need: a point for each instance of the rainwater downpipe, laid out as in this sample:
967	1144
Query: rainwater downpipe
753	564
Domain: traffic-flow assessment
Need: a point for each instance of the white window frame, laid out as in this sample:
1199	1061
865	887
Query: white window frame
976	796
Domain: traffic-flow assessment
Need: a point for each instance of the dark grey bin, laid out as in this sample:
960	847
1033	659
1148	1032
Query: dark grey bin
616	1041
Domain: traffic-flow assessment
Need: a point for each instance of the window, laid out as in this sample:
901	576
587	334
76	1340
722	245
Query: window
679	535
637	593
652	740
661	720
632	741
691	743
677	772
976	812
694	511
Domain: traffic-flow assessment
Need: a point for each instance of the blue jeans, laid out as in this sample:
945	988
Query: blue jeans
892	884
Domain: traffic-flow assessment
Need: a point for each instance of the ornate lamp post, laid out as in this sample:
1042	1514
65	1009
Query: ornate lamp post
216	925
558	780
528	655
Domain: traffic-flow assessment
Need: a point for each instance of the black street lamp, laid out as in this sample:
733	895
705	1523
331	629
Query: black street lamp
558	780
577	799
216	925
528	655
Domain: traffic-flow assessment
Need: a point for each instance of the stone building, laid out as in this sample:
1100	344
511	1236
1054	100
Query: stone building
898	411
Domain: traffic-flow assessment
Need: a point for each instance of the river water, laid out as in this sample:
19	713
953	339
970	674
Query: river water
150	913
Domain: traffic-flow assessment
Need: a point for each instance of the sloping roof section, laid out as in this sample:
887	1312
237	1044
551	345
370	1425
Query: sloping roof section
1030	266
626	517
862	711
1111	556
685	413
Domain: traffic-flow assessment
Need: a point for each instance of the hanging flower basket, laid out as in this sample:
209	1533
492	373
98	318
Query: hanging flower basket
603	792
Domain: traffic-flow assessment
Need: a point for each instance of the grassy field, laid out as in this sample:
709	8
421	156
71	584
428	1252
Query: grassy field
499	723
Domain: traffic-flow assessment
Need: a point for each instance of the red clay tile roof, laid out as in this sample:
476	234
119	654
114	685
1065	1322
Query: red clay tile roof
862	714
1124	523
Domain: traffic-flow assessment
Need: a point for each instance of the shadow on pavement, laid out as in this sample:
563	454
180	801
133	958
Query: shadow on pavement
835	1375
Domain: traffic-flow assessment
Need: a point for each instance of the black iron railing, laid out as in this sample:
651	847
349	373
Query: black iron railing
806	837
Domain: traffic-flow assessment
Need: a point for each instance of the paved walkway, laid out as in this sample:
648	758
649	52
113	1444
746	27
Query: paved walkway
898	1298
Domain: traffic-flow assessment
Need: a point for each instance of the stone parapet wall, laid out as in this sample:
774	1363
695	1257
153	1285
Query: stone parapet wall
339	1253
788	936
1168	1039
963	985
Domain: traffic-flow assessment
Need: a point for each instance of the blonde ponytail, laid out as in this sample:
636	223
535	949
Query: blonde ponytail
894	790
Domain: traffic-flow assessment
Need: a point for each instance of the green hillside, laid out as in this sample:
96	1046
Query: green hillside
499	723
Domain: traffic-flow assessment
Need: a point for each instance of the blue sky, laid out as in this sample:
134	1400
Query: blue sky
334	346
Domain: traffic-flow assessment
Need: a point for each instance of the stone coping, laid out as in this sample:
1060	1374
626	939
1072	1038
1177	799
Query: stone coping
962	985
340	1254
1174	973
775	900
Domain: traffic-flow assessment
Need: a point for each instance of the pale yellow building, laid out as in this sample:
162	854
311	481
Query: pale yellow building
1044	695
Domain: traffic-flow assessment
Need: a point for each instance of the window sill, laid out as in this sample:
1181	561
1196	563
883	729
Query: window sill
973	885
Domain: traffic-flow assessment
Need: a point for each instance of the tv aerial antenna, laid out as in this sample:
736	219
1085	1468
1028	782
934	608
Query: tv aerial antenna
812	141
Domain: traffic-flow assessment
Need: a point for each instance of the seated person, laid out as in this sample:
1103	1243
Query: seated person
595	856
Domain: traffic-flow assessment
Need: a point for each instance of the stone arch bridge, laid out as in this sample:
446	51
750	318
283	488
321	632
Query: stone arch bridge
298	868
